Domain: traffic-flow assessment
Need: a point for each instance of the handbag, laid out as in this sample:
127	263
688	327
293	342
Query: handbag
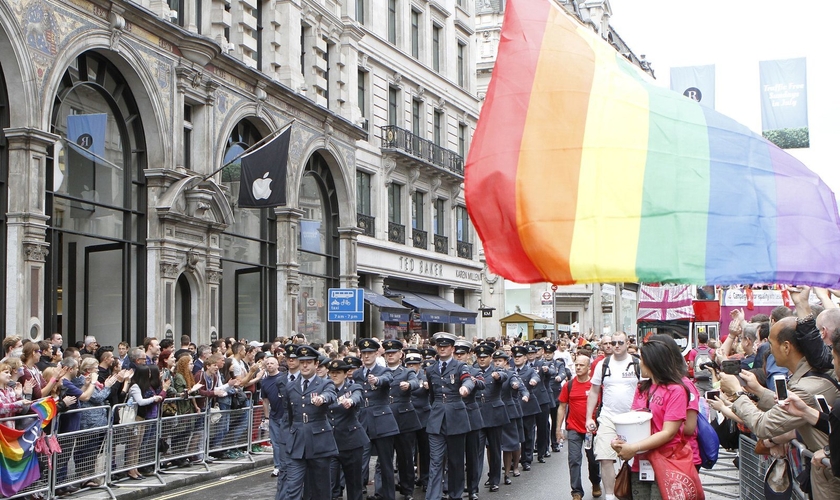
673	466
128	413
623	489
215	413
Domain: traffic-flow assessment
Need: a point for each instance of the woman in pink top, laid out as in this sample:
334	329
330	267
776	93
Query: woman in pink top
663	393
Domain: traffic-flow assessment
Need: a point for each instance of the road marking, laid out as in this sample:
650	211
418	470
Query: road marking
212	484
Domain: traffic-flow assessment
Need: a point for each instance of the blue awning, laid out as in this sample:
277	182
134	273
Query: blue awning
388	309
434	309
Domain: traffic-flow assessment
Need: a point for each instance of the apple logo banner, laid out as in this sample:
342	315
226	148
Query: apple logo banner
263	177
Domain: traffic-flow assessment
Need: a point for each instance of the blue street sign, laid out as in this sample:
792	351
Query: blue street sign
346	304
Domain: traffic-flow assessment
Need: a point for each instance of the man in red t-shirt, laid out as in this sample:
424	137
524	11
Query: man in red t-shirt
573	397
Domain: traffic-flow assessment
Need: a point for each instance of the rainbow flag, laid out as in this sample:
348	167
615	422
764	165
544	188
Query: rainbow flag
18	461
46	410
580	170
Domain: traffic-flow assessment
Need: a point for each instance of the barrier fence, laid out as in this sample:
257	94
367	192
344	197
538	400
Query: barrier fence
100	455
754	467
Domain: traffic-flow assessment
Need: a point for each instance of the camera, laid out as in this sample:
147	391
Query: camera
731	366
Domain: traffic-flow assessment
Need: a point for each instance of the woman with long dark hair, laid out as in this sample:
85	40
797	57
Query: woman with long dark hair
146	399
663	393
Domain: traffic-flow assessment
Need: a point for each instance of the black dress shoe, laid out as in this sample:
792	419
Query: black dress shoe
540	460
494	488
547	454
508	481
526	467
555	448
487	483
474	496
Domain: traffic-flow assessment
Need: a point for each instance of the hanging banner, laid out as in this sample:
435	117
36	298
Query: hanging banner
695	82
784	103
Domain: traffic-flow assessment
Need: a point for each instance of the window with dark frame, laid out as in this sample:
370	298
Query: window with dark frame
393	105
416	106
415	34
462	139
188	128
360	11
392	21
440	217
438	133
363	192
395	203
462	64
417	210
463	220
436	47
362	93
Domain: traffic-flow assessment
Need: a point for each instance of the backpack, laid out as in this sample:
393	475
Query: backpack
605	372
708	441
703	356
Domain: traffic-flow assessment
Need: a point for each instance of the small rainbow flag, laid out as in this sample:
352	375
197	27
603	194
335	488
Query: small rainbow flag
580	171
46	410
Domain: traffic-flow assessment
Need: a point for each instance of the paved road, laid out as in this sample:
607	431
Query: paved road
547	481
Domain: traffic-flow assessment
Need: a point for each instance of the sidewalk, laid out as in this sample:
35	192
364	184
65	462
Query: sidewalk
174	479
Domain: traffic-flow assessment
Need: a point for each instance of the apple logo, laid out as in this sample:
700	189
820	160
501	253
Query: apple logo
262	187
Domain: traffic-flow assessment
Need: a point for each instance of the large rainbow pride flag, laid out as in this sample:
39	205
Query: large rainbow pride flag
18	461
580	170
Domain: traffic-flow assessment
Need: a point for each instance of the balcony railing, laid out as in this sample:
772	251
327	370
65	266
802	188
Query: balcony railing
420	238
367	223
441	244
465	250
396	138
396	232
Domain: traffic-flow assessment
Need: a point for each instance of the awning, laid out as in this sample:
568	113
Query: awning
434	309
388	309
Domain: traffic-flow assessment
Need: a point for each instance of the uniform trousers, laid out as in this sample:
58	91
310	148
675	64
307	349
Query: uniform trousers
404	446
296	478
553	434
491	440
451	450
528	423
384	447
422	440
474	459
542	430
349	462
283	457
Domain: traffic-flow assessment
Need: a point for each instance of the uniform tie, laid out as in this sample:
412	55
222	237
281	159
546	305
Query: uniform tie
291	378
442	367
305	384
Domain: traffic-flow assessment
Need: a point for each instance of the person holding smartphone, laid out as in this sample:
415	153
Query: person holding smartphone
768	420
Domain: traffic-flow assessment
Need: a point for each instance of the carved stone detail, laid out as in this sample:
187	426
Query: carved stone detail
36	252
294	288
390	165
214	277
413	175
435	184
170	269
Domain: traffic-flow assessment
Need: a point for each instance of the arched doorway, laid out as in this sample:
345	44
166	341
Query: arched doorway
318	250
183	308
96	201
249	254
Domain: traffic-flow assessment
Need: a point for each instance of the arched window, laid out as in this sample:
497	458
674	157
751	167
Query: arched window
249	255
318	250
96	201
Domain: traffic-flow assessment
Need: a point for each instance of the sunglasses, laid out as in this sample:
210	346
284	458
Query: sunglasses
617	342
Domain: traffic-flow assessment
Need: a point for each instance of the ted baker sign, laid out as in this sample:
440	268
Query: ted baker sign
433	269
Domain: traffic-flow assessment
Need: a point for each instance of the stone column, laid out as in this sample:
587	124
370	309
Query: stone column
26	246
449	294
377	284
288	276
349	278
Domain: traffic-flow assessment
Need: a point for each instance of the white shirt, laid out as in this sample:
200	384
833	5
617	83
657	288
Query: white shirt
566	356
618	388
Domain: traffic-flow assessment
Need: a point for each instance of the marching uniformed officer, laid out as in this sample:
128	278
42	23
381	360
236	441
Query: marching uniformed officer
420	401
493	413
472	443
546	372
449	382
554	387
376	415
311	444
405	381
354	363
531	408
292	372
350	436
514	392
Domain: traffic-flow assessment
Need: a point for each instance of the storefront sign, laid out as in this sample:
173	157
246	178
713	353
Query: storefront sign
421	267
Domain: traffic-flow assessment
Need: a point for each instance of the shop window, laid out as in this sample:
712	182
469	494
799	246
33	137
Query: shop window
96	200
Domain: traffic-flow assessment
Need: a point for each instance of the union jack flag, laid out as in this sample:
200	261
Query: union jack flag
664	303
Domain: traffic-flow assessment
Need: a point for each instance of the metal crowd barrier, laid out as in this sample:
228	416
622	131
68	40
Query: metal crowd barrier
754	467
96	456
45	462
185	436
232	430
260	435
84	453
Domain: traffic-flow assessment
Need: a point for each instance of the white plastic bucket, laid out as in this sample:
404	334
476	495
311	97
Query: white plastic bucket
632	426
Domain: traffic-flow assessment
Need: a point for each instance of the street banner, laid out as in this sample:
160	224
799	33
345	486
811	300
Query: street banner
695	82
784	102
88	131
263	178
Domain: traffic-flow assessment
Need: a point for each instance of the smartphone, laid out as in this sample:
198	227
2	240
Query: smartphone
822	403
781	387
731	366
711	395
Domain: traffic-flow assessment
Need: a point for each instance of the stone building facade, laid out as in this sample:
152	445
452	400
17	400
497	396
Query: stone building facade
120	120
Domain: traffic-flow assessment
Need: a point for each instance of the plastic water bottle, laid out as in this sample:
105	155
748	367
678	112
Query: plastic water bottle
587	441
